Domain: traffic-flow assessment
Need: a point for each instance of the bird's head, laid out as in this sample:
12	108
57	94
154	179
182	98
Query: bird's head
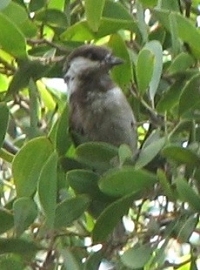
88	61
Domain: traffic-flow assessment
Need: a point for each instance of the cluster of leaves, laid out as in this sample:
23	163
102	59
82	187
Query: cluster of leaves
55	197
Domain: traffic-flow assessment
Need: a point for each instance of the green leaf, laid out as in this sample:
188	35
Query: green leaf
70	210
110	217
28	163
149	3
148	153
14	43
144	69
186	30
187	194
94	13
52	17
156	49
7	221
71	259
47	188
19	246
93	261
11	261
187	229
190	95
85	182
97	155
4	3
4	113
25	212
182	62
166	185
121	182
63	139
171	97
119	49
27	70
35	5
181	155
116	10
137	257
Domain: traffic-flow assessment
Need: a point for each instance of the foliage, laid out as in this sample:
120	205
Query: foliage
55	198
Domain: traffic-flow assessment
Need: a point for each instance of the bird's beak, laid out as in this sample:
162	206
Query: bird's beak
114	61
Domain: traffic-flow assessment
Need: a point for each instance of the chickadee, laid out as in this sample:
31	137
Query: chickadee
99	111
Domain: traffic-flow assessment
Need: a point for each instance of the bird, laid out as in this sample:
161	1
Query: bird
98	108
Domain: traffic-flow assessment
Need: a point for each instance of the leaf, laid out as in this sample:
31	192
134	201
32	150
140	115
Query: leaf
119	49
19	246
52	17
94	13
96	154
14	43
4	3
187	229
11	261
187	194
182	62
85	182
148	153
7	221
144	69
137	257
190	95
156	49
27	70
47	189
149	3
71	259
165	184
93	261
28	164
4	113
121	182
171	97
70	210
63	140
25	212
110	217
181	155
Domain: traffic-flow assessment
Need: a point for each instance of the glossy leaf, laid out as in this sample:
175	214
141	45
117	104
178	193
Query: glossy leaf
187	194
181	155
148	153
28	163
156	49
70	210
97	155
25	212
4	116
47	188
144	72
110	217
94	13
14	43
121	182
7	221
136	257
52	17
